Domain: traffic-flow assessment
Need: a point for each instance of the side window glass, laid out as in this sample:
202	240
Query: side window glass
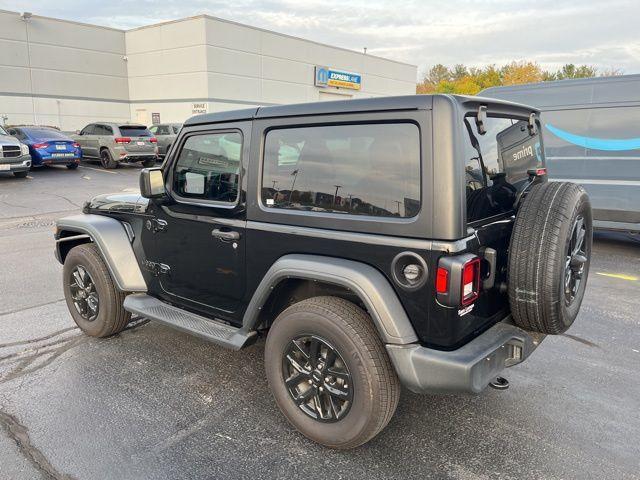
87	130
208	167
369	170
154	130
106	130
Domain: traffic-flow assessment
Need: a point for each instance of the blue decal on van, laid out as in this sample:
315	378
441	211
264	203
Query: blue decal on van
608	144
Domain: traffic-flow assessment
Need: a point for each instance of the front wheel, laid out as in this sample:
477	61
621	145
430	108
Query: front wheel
329	372
94	301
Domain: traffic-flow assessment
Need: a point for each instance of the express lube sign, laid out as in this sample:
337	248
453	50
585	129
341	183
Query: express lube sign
328	77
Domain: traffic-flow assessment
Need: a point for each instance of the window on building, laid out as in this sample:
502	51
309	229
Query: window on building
208	167
369	169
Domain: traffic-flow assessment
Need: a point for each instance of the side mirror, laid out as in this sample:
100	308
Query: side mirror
78	132
151	183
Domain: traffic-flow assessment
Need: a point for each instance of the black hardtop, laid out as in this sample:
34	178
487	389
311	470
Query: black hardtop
361	105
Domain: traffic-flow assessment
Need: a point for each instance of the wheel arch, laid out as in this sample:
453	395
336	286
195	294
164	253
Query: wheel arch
347	278
113	242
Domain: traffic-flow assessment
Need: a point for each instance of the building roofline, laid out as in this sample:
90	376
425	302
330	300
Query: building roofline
233	22
62	20
218	19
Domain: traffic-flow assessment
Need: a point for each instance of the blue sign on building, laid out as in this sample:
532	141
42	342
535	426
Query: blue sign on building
327	77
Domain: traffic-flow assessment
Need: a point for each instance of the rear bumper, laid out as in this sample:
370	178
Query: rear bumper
467	369
137	157
58	160
18	164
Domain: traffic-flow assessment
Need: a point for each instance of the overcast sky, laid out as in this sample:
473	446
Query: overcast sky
550	32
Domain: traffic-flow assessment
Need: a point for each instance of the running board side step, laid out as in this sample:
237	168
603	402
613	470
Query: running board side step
211	330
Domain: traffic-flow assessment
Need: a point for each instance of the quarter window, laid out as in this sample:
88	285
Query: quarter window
347	169
208	167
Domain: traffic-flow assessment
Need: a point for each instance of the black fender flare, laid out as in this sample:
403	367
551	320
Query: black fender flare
113	241
366	282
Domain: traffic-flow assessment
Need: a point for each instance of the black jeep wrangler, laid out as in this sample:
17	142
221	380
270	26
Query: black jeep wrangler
375	243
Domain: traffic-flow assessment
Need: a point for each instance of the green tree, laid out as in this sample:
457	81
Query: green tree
570	70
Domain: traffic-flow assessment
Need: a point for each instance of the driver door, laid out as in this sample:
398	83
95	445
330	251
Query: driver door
198	230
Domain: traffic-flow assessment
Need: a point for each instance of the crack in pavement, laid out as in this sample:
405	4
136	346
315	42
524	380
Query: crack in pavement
26	360
36	340
20	435
29	307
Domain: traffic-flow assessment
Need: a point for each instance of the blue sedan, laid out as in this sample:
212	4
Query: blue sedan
48	146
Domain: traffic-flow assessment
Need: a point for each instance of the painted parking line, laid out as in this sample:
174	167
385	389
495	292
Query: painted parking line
99	170
621	276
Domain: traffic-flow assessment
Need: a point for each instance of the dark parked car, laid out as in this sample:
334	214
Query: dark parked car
48	146
401	240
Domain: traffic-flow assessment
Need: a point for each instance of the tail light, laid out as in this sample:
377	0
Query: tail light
76	145
153	140
123	140
470	282
442	280
38	146
458	280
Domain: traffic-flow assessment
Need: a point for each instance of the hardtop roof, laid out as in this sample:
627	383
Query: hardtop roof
403	102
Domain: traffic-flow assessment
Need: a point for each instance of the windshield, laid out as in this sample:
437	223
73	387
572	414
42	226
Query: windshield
496	164
3	131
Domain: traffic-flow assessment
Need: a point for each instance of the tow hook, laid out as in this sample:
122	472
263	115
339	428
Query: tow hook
500	383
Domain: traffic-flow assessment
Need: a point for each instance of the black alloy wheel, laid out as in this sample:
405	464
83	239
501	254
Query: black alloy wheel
317	378
576	259
84	294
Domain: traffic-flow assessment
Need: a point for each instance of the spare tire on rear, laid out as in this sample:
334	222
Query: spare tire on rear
549	257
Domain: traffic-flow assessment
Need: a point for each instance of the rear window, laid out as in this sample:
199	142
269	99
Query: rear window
348	169
496	164
45	133
134	131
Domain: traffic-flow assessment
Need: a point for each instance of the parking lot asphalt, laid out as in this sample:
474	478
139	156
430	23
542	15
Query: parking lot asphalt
152	402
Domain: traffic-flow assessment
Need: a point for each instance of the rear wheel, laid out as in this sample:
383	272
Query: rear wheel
95	303
549	257
149	162
21	174
72	166
329	372
106	160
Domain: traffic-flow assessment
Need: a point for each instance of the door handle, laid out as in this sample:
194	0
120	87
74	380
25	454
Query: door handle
226	235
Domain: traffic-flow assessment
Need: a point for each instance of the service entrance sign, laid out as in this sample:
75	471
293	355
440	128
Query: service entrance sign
198	108
328	77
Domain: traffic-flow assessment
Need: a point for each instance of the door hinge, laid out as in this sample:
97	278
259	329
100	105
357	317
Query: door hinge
157	268
155	225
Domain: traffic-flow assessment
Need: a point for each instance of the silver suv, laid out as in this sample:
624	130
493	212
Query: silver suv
113	143
166	134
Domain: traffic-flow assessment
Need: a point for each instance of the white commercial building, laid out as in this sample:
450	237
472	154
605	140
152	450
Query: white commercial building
68	74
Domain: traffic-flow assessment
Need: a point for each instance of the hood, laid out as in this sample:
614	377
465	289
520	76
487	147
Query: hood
8	140
117	202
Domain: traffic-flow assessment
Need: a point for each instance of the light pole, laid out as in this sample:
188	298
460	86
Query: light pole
335	195
26	17
295	175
